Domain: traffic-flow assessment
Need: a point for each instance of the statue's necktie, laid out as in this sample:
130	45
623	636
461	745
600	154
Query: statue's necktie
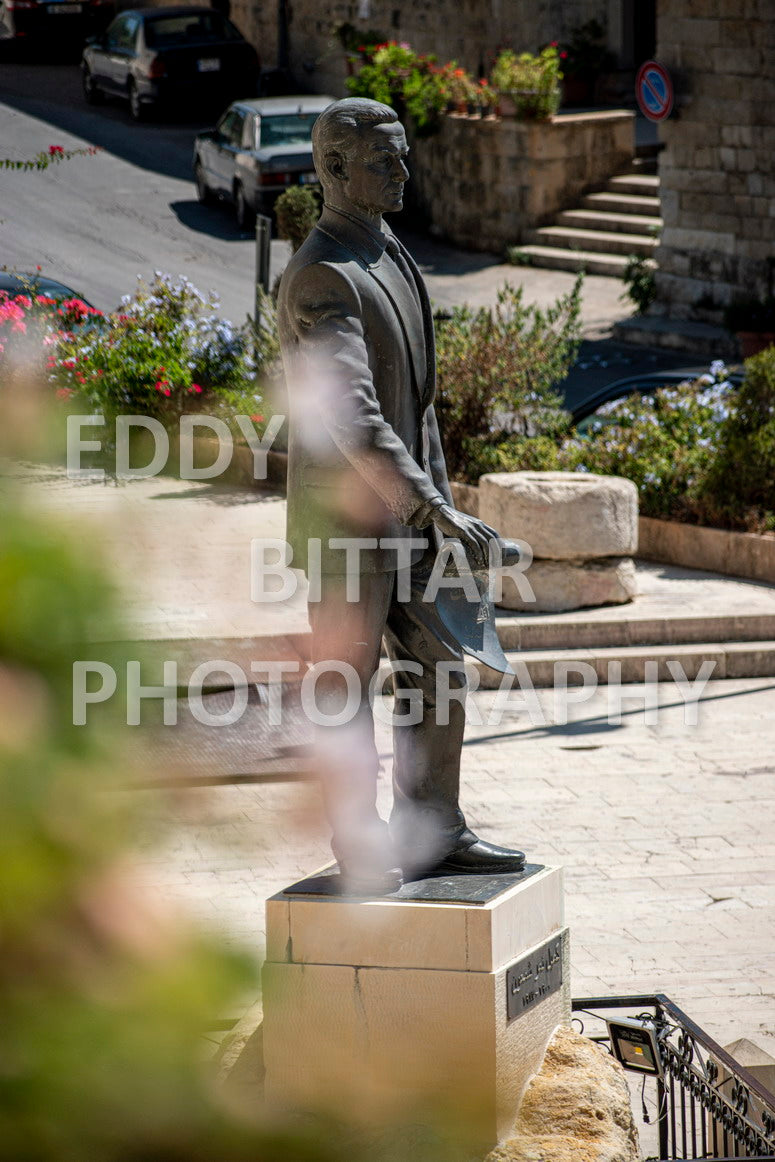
394	251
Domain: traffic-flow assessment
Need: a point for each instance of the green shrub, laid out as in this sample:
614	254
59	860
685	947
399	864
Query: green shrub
297	210
163	353
640	284
409	82
739	491
497	370
664	441
532	81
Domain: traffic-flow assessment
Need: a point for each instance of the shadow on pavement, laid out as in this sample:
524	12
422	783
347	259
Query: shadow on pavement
52	93
216	221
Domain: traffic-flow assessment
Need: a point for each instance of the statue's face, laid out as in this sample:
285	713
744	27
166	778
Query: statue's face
375	172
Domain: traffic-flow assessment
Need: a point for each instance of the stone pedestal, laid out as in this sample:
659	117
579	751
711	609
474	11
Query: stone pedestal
432	1006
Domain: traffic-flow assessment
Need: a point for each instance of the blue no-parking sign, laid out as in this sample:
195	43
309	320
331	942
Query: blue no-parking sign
654	91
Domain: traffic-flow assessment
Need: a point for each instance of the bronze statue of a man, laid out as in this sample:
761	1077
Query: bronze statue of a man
366	468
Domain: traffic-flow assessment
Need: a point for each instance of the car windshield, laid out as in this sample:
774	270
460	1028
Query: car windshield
287	128
200	27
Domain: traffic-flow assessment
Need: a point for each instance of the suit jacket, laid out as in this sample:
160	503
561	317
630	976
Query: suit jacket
364	454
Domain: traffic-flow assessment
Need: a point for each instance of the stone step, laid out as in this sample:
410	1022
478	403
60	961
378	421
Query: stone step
622	204
600	220
547	668
684	335
622	664
644	184
555	258
589	630
606	241
645	165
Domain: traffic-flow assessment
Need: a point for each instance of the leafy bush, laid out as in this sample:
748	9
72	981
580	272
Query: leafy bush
664	441
639	281
165	352
739	490
409	82
497	369
586	53
297	210
532	81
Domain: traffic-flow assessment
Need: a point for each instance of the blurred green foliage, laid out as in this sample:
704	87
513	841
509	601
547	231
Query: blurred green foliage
497	372
105	999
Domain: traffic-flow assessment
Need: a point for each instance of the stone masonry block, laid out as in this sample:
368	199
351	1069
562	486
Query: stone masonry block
563	515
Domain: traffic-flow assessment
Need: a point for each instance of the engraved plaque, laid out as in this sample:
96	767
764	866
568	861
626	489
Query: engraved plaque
534	977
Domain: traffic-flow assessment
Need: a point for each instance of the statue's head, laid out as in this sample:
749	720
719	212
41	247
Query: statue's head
360	149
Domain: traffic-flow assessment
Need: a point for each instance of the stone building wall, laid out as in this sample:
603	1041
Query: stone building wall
718	167
468	31
484	183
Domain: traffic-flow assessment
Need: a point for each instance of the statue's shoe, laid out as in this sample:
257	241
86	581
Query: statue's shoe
473	856
369	881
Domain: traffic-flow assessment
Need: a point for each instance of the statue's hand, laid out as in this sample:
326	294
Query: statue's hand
473	533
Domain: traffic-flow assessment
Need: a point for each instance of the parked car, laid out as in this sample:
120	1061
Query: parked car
21	283
152	56
645	383
59	20
258	148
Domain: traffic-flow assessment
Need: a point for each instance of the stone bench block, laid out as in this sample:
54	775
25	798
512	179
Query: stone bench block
563	516
562	585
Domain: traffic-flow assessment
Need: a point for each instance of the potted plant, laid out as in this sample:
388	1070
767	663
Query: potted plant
486	98
528	84
584	58
461	89
752	320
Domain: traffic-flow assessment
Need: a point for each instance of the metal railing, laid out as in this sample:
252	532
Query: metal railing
708	1105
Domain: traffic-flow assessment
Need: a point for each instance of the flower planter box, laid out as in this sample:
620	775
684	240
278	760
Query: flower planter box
714	550
671	542
484	183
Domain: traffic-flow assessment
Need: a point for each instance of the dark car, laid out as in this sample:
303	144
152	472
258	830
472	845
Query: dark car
258	148
36	284
586	413
53	20
154	56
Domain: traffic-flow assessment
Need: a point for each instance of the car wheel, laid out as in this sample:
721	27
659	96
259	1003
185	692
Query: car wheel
246	218
138	110
203	191
92	94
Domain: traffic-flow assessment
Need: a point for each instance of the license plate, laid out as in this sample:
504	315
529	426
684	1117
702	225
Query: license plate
209	65
66	9
306	179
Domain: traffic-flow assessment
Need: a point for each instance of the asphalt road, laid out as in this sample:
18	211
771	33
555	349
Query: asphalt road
96	223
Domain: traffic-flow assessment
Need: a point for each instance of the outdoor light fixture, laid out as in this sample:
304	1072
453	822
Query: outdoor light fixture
635	1045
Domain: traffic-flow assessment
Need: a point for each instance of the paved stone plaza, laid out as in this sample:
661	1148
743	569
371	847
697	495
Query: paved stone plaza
666	831
666	834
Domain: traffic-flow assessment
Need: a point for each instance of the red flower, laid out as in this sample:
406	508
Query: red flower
196	388
64	392
257	419
53	151
563	56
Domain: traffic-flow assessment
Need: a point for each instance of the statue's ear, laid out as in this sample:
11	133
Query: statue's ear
335	166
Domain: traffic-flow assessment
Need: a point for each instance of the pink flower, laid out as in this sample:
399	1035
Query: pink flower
64	393
257	419
167	391
195	387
